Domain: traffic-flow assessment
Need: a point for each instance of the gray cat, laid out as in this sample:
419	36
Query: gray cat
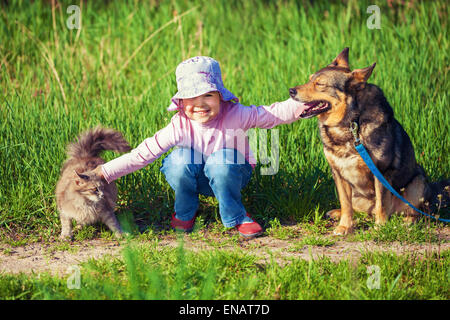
81	195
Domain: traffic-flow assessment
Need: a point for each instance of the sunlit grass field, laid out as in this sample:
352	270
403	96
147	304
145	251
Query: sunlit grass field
149	272
118	70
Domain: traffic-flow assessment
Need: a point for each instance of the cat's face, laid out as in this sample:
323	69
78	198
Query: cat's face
90	186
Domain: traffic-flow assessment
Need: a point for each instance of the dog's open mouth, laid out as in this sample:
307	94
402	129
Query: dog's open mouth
315	108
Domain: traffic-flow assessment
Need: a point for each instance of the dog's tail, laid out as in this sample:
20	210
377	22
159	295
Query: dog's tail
438	196
91	143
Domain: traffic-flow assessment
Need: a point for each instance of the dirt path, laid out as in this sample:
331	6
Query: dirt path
39	257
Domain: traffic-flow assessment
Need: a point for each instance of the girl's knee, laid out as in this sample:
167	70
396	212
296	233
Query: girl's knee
226	156
179	174
181	161
226	175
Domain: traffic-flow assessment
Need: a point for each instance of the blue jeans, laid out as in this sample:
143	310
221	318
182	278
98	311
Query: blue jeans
223	174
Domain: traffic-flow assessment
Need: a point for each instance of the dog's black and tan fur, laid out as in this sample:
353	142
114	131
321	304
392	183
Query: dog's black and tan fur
338	97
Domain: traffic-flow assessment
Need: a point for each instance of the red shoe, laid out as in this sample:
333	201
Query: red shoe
180	225
249	230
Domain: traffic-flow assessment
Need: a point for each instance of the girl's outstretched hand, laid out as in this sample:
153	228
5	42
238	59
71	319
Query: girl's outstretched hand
98	172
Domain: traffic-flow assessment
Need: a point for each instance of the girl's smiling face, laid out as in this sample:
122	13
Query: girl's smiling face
203	108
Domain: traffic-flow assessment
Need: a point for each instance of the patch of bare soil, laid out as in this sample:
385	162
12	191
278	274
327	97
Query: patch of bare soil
39	257
341	250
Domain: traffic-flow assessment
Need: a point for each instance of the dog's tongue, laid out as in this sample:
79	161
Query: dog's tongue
313	104
302	107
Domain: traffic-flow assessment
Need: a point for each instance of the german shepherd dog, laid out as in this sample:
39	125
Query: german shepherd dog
339	97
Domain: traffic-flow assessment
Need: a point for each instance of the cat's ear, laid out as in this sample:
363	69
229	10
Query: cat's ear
82	176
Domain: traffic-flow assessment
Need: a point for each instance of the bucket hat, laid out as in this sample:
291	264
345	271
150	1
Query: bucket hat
196	76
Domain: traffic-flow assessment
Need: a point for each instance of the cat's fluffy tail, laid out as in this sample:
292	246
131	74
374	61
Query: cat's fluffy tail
91	143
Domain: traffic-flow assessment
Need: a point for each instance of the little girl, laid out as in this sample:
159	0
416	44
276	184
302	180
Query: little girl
213	157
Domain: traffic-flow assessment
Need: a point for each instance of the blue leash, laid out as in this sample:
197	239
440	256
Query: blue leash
365	156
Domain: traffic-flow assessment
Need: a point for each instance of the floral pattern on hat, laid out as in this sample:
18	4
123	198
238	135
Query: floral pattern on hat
196	76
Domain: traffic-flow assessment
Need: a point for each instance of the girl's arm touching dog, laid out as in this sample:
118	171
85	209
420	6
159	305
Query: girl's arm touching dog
267	117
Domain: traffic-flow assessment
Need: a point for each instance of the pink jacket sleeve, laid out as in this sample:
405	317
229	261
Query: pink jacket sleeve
147	152
267	117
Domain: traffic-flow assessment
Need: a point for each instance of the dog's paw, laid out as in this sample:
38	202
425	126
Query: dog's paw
379	222
334	214
410	219
342	230
120	235
65	237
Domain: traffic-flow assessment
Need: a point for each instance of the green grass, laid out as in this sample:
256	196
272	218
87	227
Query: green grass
263	48
397	230
149	272
118	71
314	241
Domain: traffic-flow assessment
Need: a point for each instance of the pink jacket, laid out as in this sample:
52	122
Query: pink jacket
227	130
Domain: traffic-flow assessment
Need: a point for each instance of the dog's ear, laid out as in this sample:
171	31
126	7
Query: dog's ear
360	76
341	60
